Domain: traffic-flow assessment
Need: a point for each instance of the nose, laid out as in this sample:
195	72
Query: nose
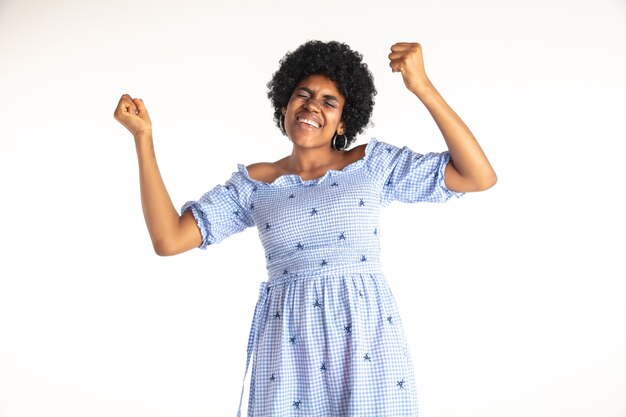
312	104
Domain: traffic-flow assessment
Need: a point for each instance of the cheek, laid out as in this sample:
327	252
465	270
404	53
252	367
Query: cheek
334	119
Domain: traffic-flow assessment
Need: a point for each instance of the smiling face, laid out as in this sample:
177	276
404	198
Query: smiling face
313	114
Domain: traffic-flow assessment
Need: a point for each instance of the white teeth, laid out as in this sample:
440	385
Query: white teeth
309	122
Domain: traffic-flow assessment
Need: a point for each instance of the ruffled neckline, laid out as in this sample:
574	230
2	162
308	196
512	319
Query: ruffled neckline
287	180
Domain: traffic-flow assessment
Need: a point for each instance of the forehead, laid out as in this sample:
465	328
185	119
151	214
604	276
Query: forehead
320	84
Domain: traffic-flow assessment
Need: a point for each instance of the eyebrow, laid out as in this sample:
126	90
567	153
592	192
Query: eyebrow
326	96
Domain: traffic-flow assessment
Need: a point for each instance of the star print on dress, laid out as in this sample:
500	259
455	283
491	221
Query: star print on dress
313	212
296	404
375	231
268	226
400	384
334	184
342	236
317	303
348	328
277	315
367	357
236	212
251	206
360	293
285	272
299	246
389	318
363	258
323	367
292	196
292	340
361	203
272	378
324	262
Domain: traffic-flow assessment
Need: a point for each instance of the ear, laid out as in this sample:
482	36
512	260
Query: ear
341	128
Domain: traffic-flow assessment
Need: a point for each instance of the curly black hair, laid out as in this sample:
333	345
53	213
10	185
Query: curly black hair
339	63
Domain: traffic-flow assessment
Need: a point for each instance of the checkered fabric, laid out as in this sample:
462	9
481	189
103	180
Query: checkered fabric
326	338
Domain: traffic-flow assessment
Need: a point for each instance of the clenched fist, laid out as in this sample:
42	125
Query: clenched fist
407	59
132	114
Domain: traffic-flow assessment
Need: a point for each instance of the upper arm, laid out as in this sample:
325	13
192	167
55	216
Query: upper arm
189	233
454	181
187	237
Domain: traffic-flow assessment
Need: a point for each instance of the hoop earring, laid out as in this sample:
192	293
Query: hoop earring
339	142
281	123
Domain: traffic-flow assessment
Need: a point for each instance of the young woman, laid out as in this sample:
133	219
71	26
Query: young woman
326	337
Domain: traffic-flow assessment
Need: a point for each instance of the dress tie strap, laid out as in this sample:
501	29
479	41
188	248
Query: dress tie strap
253	339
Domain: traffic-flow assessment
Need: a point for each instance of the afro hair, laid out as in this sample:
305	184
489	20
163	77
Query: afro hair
339	63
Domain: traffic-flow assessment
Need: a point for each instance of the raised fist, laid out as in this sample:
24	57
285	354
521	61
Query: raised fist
132	114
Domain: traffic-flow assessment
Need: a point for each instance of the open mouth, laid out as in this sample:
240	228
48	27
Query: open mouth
308	120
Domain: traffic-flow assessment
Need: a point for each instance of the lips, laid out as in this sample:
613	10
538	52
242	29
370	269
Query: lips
309	119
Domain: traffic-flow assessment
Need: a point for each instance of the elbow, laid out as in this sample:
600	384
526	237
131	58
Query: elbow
161	251
487	182
164	248
480	178
484	180
173	245
473	185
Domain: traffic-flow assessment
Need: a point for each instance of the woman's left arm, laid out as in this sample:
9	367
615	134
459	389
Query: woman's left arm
468	169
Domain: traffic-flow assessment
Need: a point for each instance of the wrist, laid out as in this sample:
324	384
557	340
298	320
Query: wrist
428	95
142	136
144	144
423	89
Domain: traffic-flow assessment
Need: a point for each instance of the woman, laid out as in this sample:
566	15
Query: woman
326	337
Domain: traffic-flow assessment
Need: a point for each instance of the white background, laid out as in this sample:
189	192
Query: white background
513	300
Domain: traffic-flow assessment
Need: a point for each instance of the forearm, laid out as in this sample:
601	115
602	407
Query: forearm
468	157
161	217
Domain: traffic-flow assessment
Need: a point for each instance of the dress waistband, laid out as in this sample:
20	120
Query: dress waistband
324	262
338	272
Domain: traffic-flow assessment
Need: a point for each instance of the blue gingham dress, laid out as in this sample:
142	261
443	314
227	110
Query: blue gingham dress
326	337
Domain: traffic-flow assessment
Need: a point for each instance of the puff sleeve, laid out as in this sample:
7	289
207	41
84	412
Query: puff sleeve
408	176
224	210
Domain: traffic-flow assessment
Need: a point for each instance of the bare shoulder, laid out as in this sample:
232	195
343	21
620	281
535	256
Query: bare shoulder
264	171
357	152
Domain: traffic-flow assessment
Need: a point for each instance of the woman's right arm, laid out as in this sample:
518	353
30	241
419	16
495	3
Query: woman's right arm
170	233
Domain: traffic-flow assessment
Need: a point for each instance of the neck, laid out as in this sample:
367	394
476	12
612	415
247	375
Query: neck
311	160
